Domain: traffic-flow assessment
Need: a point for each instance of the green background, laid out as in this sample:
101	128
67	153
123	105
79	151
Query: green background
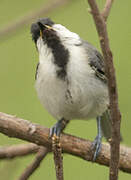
18	59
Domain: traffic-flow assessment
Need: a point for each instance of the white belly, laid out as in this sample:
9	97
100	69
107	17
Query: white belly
80	97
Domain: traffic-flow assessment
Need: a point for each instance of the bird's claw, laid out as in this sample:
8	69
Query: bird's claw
55	130
55	134
96	145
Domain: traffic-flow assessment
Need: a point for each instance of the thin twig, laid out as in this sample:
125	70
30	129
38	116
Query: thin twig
35	164
13	126
13	151
112	87
58	159
106	11
18	24
57	151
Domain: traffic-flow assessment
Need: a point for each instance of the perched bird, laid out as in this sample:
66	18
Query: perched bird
70	79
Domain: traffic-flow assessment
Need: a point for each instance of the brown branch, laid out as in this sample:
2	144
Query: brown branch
106	11
57	152
58	159
17	150
35	164
112	87
44	10
16	127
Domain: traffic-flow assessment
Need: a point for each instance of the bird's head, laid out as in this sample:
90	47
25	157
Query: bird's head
46	33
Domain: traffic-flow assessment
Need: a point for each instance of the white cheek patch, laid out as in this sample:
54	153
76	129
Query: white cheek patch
39	43
45	52
66	35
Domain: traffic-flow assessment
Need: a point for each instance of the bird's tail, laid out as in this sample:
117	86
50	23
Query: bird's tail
106	125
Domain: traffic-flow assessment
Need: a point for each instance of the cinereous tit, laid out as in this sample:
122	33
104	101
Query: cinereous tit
70	79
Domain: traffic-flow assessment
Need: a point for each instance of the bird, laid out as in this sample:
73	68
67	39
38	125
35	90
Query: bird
70	79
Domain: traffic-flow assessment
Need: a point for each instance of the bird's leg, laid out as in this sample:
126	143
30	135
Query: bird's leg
97	142
58	128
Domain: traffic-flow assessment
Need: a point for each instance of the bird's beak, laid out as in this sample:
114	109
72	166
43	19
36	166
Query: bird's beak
42	27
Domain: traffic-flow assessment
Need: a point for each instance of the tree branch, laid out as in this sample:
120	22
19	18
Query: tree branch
58	159
107	8
16	127
112	87
17	150
42	152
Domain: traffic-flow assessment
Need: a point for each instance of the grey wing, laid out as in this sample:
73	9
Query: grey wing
97	63
95	60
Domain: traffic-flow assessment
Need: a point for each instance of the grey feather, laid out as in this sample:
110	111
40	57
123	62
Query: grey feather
106	125
36	73
96	61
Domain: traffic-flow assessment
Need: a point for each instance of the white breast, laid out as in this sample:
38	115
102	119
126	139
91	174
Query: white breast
90	94
81	96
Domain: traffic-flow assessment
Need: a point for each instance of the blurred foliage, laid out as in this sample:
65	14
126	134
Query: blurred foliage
18	59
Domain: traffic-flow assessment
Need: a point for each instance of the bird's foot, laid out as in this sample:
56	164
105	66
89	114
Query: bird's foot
56	129
55	136
96	145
